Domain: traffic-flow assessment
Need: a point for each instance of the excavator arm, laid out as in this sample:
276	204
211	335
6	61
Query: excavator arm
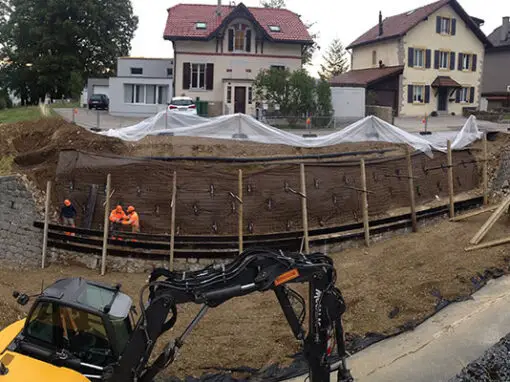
255	270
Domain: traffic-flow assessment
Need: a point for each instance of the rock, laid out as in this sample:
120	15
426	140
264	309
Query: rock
505	184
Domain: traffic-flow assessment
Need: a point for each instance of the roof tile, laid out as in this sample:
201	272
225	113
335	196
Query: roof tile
364	77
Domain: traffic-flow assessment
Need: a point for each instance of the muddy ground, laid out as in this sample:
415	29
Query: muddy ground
403	272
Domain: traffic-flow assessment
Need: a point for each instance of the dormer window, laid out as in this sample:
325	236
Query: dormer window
201	25
275	28
239	38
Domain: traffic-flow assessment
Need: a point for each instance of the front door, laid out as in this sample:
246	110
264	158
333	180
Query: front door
240	99
442	99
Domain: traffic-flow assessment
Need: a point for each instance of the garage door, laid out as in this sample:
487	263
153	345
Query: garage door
100	89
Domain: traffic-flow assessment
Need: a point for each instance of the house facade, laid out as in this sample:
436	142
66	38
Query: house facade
496	74
436	55
219	50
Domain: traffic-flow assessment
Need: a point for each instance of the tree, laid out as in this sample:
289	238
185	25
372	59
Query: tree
51	44
324	104
335	61
273	3
309	50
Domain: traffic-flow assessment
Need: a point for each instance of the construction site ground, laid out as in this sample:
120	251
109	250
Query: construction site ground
402	274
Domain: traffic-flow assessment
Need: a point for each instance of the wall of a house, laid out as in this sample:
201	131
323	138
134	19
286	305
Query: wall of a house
386	51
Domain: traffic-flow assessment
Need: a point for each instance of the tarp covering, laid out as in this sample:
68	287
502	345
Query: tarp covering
244	127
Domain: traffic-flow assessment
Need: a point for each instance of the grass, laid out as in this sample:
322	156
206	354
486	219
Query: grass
6	165
31	113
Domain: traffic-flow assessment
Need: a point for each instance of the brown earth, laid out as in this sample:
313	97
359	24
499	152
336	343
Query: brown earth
398	273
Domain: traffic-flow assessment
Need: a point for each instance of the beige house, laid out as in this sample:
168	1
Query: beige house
219	50
434	55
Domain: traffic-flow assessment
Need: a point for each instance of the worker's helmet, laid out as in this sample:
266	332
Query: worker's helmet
67	202
130	209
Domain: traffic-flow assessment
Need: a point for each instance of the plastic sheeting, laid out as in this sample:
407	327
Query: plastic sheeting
244	127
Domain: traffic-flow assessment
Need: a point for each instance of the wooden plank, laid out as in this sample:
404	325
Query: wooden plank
411	189
172	221
450	179
474	213
106	225
91	206
304	209
46	223
364	202
485	171
489	244
240	210
490	222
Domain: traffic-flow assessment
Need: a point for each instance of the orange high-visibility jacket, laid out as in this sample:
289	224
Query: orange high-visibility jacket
117	216
133	220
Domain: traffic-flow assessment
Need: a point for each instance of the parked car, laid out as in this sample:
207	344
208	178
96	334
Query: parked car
99	102
182	105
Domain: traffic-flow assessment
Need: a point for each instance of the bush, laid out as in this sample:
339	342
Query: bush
433	114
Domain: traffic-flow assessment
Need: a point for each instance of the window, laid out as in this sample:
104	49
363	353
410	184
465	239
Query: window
151	94
201	25
134	93
136	70
277	67
146	94
275	28
419	58
42	323
444	60
374	57
229	94
466	62
464	95
445	25
169	72
197	76
162	95
418	93
250	95
239	38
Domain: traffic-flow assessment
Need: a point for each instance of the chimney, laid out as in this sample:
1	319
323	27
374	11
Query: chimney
381	31
505	28
218	8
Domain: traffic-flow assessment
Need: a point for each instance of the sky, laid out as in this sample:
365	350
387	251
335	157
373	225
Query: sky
332	18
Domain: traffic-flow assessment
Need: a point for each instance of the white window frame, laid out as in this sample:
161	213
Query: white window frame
464	95
447	55
144	87
417	94
199	86
416	56
238	28
446	25
467	58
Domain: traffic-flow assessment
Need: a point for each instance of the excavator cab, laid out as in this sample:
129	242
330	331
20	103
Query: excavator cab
78	324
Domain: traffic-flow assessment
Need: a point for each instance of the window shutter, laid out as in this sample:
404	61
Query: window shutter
461	59
454	26
230	40
186	75
438	24
248	40
427	94
457	95
410	93
428	58
452	60
436	59
410	58
209	74
473	65
471	95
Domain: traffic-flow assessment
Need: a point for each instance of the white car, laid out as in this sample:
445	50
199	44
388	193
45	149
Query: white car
182	105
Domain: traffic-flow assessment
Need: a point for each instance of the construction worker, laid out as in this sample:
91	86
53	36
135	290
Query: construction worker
68	215
132	219
117	217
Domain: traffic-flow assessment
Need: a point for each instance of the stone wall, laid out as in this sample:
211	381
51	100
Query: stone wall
383	112
20	242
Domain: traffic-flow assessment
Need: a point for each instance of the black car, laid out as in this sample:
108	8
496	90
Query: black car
99	101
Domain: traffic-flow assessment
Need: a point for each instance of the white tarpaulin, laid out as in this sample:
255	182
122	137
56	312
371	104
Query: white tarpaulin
244	127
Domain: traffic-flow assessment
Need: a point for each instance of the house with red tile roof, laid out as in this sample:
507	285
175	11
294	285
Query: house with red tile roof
220	49
425	60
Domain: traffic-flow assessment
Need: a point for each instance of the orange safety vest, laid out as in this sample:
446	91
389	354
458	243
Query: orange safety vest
134	219
116	215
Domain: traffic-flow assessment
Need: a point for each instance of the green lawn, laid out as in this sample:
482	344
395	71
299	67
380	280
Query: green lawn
30	113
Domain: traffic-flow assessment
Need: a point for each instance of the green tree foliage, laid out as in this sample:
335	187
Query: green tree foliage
273	3
335	60
54	45
297	93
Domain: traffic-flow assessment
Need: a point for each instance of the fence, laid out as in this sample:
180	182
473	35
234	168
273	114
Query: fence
248	199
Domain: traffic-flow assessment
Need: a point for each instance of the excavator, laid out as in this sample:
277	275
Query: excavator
78	330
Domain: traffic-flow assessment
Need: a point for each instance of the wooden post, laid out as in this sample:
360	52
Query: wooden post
46	223
172	221
106	225
485	171
364	203
411	189
450	179
304	208
241	210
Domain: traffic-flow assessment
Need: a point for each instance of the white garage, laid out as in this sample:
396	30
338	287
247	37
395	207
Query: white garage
100	89
348	102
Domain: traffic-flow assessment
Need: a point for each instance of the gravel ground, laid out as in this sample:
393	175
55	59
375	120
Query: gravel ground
494	365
